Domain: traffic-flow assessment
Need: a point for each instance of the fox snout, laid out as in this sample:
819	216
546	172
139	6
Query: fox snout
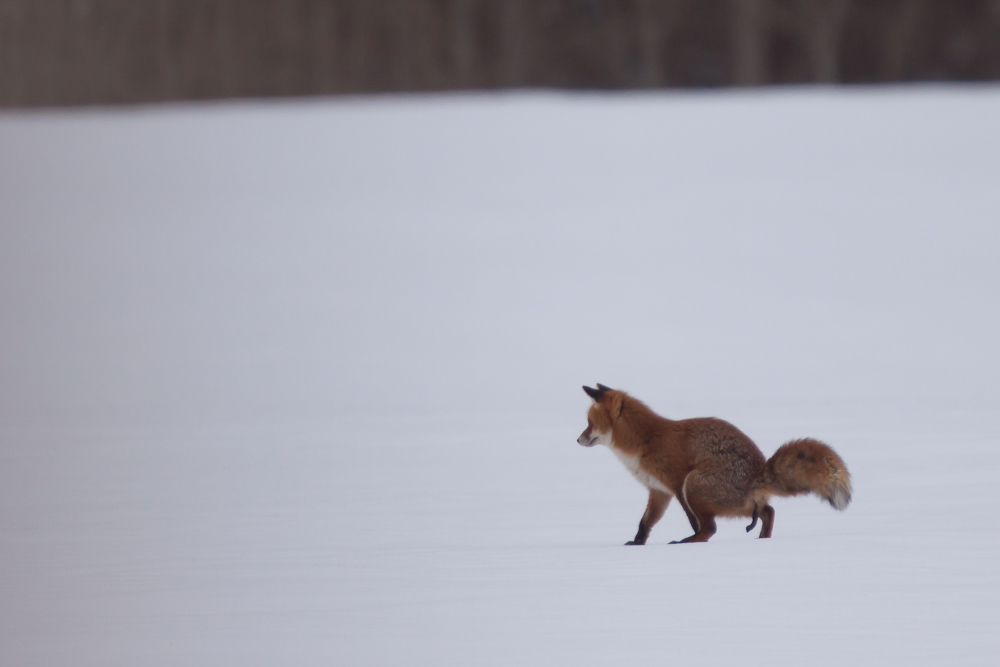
594	436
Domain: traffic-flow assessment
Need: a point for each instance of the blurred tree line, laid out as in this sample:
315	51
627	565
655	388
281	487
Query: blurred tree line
65	52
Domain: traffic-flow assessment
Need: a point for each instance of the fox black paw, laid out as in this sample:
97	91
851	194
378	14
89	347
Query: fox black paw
755	514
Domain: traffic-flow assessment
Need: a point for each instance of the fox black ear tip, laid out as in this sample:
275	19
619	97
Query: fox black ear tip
603	387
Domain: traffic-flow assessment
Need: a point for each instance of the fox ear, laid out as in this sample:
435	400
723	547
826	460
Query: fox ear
603	388
594	393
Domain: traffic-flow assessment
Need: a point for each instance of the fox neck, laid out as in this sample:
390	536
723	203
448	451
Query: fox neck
623	438
630	431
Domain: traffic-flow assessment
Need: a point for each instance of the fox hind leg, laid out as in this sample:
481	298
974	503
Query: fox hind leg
687	510
657	505
699	512
753	520
767	521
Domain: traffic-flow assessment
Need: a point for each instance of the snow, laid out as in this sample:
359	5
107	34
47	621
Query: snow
299	382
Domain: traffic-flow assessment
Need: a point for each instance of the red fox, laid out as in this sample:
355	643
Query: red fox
709	465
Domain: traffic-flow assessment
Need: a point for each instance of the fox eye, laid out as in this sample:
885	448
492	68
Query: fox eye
590	424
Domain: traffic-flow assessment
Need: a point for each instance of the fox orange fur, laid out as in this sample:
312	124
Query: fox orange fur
709	465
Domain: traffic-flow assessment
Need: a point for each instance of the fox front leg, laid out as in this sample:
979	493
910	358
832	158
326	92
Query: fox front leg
655	508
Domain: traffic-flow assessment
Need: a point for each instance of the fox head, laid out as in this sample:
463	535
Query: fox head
603	413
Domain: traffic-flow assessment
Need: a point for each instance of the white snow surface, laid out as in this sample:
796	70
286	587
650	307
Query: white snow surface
299	382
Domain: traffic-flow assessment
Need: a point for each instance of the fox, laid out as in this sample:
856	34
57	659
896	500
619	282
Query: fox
709	465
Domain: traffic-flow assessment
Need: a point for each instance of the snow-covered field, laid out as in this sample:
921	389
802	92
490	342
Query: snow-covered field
299	383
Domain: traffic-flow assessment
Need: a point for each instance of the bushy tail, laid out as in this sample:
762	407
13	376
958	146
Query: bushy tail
809	466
